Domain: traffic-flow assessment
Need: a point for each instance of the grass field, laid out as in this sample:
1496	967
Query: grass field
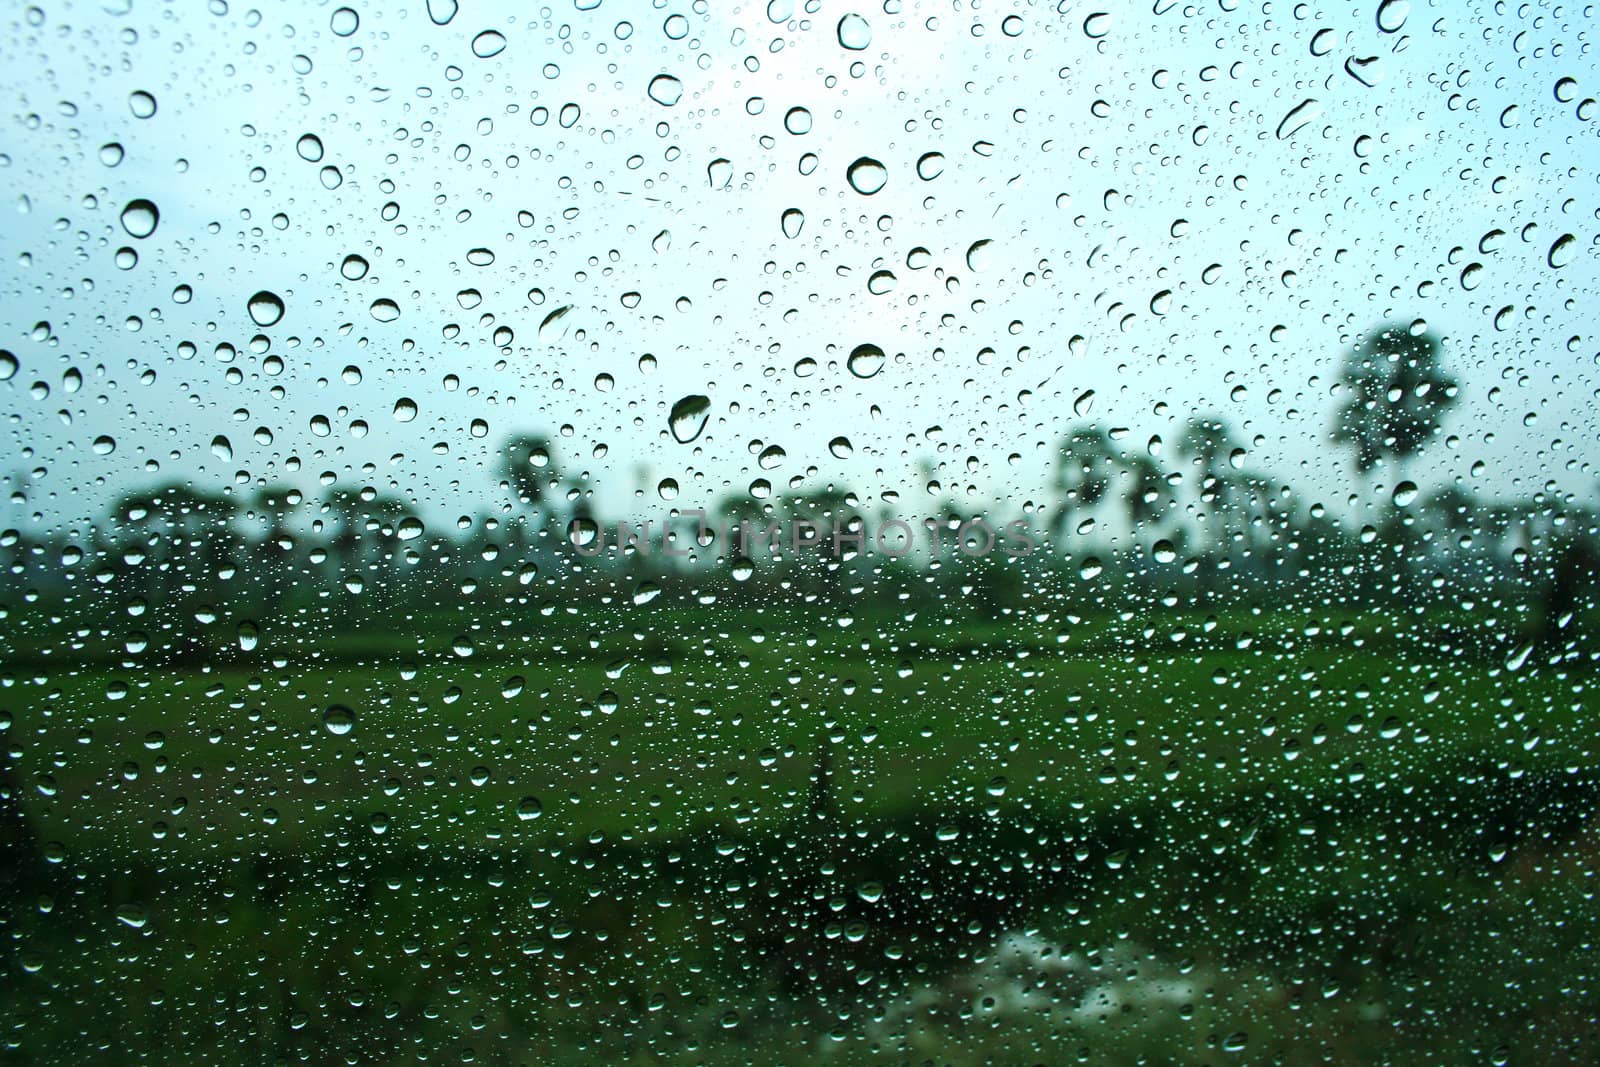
652	836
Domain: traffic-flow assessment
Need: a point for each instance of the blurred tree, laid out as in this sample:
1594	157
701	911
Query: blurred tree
1397	395
1209	445
527	466
1083	473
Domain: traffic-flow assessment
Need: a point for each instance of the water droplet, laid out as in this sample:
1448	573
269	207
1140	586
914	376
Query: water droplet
1303	112
104	445
1392	15
980	256
442	11
867	176
554	326
720	173
354	268
266	308
344	22
881	282
688	417
529	808
309	148
488	44
854	32
222	448
930	165
8	365
142	104
840	447
385	310
338	720
1563	251
797	121
111	153
405	409
1405	493
1084	403
665	90
140	218
409	528
793	221
1097	25
866	360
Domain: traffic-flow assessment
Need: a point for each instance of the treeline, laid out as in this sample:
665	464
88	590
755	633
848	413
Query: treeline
1123	522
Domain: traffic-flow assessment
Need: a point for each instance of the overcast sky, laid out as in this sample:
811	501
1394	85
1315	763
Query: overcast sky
1133	218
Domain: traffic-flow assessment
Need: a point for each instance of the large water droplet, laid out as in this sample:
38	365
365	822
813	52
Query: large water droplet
793	221
1392	15
1303	112
980	256
344	22
338	720
442	11
867	175
385	310
866	360
488	44
405	409
309	148
140	218
554	326
266	308
665	90
1563	251
854	32
688	417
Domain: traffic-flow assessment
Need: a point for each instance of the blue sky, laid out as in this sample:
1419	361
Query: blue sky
1179	209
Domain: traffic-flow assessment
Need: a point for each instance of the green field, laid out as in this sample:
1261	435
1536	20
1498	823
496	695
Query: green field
649	835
